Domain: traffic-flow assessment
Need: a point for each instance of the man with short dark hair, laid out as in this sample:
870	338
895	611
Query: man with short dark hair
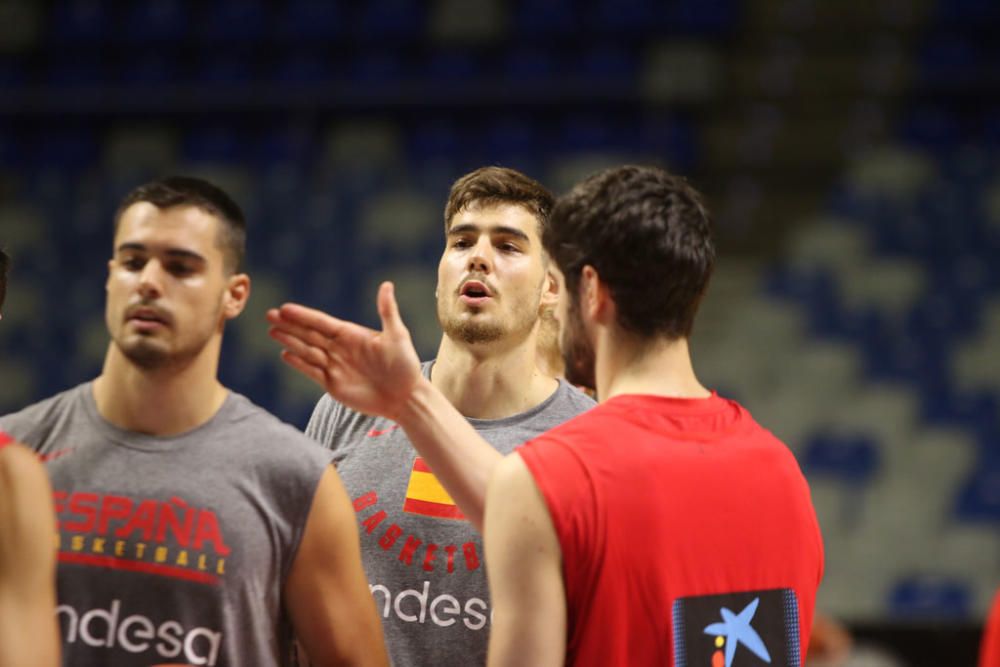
28	630
665	526
423	558
195	527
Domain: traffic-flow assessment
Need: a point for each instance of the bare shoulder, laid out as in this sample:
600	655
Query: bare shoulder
515	507
21	473
512	473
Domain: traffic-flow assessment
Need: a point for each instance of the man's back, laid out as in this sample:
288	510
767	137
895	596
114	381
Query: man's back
27	560
684	527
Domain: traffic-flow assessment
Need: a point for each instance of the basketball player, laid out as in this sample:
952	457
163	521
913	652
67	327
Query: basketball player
421	551
195	527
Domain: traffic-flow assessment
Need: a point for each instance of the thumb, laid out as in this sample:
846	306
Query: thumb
388	310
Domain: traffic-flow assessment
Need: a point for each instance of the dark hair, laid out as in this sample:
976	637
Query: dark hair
498	185
186	191
648	235
4	263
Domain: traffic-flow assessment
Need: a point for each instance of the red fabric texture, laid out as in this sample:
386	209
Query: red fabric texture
654	499
989	653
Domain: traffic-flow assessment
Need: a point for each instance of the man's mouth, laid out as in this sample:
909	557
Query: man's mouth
474	293
147	317
474	289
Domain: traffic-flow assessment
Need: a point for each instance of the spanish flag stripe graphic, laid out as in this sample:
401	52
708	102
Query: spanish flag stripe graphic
414	506
426	496
425	486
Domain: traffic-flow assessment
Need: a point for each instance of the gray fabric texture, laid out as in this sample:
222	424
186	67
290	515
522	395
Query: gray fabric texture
173	549
425	568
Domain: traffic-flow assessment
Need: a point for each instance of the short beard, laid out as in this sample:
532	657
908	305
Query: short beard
471	333
148	357
577	351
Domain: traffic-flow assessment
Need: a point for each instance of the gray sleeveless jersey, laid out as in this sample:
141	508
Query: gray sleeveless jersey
173	549
424	560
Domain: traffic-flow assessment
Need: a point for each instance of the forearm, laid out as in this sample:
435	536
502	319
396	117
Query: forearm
29	634
460	458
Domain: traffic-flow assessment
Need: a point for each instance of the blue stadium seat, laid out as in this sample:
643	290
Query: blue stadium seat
532	64
158	21
230	66
941	316
438	138
68	147
670	139
583	132
246	21
932	128
78	70
814	289
398	18
548	18
284	145
967	13
305	67
450	67
625	16
311	21
214	144
511	141
150	70
377	69
13	74
607	63
979	499
853	459
81	21
703	17
949	60
12	148
928	597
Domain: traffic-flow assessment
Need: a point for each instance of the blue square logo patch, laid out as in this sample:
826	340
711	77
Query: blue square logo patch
748	629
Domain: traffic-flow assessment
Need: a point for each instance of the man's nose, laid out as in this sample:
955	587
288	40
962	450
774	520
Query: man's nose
151	279
481	258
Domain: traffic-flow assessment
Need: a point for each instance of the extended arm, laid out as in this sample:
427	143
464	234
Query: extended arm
524	564
327	594
379	373
29	633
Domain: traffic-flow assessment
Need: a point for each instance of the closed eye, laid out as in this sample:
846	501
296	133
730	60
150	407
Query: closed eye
180	269
133	263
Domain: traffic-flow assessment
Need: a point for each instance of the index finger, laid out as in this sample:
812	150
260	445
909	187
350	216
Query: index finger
310	318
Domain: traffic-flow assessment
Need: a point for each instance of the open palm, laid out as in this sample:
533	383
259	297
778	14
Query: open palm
366	370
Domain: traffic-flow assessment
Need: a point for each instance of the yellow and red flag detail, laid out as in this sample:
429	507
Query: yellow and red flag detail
427	497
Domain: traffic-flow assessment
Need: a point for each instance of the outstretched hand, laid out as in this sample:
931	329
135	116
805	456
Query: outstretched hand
366	370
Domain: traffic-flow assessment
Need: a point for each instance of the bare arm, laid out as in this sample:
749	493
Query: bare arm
327	594
29	634
379	373
524	564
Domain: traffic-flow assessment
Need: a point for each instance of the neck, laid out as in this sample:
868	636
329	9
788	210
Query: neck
625	365
487	383
163	401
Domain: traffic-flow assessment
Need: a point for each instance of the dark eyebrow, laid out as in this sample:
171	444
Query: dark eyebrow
498	229
175	253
